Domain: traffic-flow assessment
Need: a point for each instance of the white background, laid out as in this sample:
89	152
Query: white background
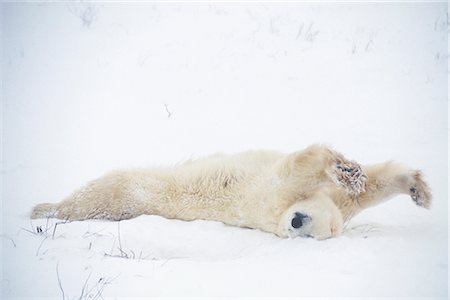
89	87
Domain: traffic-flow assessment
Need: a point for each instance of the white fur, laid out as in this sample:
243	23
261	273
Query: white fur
257	189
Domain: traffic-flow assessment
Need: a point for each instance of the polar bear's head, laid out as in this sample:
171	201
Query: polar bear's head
316	217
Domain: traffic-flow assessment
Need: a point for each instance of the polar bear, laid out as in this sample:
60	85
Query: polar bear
309	193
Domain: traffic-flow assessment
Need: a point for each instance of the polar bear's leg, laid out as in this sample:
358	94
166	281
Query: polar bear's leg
108	197
388	179
317	164
86	206
316	217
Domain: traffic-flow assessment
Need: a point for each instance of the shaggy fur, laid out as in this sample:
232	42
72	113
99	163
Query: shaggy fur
309	193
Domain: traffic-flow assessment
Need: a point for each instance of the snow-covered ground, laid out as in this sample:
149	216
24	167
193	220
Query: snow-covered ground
89	87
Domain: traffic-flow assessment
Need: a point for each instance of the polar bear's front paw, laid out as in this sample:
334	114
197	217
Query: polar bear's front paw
348	174
352	177
419	191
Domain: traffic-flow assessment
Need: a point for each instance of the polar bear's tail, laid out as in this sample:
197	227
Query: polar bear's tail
44	210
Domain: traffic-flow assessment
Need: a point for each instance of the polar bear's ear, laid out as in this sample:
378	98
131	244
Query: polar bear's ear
312	160
288	164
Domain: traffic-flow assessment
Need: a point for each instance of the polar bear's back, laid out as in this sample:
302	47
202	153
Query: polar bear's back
249	162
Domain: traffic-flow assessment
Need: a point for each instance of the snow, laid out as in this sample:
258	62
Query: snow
89	87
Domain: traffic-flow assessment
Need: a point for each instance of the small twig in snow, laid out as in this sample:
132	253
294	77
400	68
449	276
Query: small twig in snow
56	225
310	35
86	13
32	231
59	281
171	258
12	241
300	31
40	245
84	286
118	233
369	43
29	231
90	234
39	230
143	60
128	254
112	247
122	253
169	113
102	281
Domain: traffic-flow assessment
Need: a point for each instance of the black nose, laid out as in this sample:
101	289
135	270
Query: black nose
298	220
